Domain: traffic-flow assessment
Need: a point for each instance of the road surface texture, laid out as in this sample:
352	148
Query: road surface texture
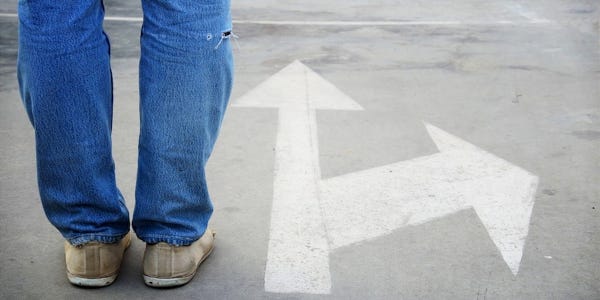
515	82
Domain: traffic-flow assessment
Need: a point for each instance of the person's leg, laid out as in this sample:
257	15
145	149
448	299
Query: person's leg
186	70
66	87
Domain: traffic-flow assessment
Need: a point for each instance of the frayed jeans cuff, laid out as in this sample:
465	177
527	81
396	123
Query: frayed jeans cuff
92	237
171	240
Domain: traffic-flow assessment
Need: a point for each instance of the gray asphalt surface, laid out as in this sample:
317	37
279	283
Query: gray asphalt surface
520	79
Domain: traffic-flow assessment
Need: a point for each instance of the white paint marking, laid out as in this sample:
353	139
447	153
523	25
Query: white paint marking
377	23
311	217
123	19
547	257
342	23
106	18
387	23
526	13
374	202
298	258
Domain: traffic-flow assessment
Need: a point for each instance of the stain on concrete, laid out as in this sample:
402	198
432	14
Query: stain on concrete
470	39
587	134
582	10
557	154
525	68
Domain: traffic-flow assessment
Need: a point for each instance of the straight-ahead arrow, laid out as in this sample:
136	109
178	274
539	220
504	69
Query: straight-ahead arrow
298	257
310	216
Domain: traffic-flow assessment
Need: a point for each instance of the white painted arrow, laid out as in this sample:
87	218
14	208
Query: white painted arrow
310	217
374	202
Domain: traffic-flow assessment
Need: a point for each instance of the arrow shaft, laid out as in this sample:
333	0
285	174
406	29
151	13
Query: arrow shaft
298	257
374	202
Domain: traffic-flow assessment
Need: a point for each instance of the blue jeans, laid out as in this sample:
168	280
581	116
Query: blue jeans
186	73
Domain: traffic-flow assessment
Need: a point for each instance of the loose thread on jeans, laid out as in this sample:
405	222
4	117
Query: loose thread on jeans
228	35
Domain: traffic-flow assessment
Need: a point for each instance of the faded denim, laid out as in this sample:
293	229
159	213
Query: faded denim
186	74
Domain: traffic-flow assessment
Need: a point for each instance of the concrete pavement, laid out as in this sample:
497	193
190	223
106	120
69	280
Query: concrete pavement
517	79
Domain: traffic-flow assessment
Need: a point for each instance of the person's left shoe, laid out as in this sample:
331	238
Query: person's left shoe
95	264
170	266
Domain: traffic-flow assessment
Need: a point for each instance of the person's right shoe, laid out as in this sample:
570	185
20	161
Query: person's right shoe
170	266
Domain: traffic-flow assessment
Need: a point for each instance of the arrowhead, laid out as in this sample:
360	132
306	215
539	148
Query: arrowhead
501	193
293	86
504	204
447	142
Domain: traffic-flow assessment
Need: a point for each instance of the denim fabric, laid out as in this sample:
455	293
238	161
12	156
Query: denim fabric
186	74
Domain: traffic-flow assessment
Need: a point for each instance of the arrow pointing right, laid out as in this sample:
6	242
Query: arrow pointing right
374	202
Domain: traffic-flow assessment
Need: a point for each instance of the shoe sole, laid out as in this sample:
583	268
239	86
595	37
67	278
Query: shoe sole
178	281
91	282
95	282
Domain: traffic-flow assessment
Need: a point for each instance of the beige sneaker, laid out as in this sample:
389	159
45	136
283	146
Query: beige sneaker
95	264
169	266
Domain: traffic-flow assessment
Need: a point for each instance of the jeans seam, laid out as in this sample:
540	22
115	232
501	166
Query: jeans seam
93	237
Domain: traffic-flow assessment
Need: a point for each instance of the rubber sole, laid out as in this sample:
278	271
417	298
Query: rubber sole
177	281
91	282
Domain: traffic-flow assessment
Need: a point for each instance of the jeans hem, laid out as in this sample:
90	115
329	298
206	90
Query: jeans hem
171	240
92	237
